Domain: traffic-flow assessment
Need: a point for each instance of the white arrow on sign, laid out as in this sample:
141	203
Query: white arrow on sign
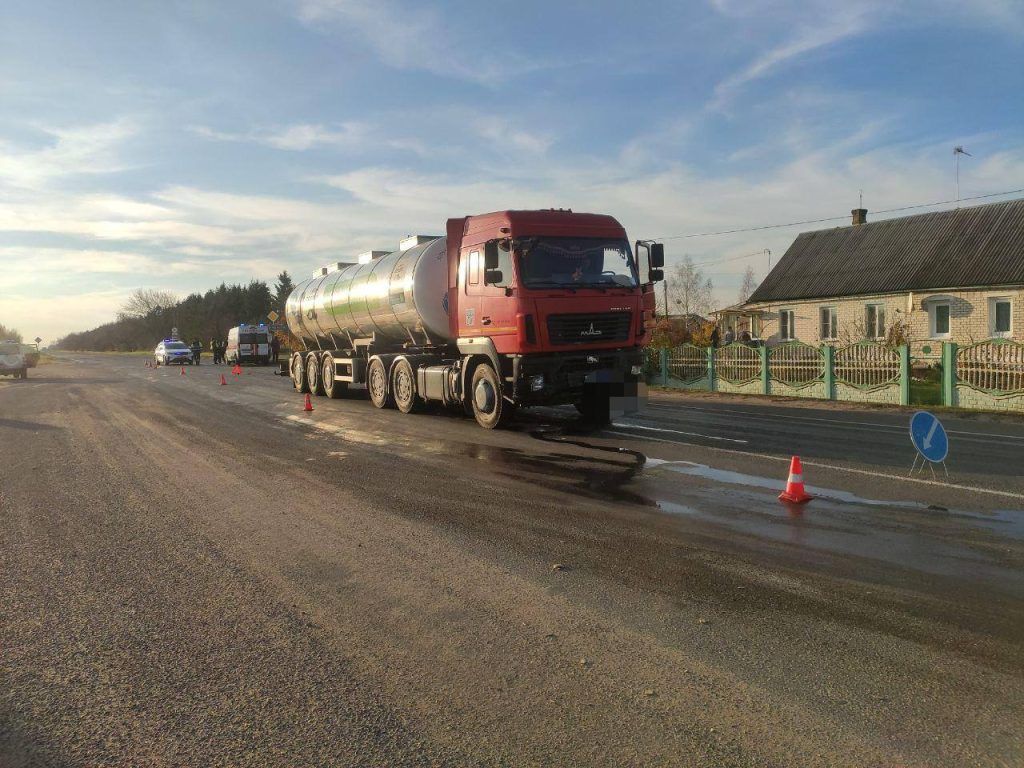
931	433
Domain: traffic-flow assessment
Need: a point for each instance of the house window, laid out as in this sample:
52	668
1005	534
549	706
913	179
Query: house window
939	320
1000	313
828	326
755	326
874	321
787	331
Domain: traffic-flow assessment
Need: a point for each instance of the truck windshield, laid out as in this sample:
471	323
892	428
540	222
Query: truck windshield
578	262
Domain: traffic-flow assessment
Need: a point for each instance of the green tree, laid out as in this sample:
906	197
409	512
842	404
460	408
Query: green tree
282	289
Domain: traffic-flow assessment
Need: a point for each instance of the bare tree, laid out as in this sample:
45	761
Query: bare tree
748	285
145	301
9	334
689	292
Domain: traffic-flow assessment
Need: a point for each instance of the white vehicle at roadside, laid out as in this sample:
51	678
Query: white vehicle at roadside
12	360
171	352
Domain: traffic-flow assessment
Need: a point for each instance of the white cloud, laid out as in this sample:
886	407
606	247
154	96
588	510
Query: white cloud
296	137
70	151
415	36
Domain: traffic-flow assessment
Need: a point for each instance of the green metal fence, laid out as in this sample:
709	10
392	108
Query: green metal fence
987	375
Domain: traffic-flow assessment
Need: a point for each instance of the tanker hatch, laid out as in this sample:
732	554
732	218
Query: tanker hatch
411	241
368	256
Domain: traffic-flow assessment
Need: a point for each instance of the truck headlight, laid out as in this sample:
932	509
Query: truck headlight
636	370
537	383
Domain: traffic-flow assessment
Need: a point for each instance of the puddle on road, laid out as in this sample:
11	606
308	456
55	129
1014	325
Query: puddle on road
756	481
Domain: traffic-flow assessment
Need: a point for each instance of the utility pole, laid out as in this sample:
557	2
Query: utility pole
664	293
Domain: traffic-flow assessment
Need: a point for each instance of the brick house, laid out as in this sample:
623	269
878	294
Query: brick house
947	276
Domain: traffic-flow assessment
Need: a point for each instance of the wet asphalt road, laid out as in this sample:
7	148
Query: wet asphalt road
193	574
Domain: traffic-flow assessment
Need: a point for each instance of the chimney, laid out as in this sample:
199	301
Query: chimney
860	216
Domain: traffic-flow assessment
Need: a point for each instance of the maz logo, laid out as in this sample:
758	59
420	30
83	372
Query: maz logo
591	331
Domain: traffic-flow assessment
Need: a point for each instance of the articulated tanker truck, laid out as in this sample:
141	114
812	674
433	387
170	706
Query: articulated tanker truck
508	309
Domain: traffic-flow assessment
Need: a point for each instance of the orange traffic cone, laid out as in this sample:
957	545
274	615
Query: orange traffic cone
795	493
237	370
223	381
182	369
309	405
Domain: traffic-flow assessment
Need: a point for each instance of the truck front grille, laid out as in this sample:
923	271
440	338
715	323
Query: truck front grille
590	328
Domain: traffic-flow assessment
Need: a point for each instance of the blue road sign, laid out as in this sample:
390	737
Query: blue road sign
928	436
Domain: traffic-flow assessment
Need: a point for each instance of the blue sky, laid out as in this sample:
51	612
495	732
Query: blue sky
178	144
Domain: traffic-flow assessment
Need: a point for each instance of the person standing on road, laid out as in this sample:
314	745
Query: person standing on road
213	350
275	348
197	351
714	336
730	336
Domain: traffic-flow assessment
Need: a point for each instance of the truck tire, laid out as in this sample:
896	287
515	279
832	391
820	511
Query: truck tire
23	373
377	384
299	374
490	409
332	388
403	387
314	380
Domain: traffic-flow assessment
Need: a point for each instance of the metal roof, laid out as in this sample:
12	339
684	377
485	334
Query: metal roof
966	247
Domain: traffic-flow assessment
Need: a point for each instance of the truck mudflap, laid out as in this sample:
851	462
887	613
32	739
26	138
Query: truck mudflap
561	379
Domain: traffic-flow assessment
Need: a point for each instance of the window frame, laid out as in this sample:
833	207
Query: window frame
833	311
473	268
993	302
933	318
879	307
791	336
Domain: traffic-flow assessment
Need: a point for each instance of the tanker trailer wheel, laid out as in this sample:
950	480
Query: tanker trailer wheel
333	389
299	374
315	382
403	385
489	407
377	383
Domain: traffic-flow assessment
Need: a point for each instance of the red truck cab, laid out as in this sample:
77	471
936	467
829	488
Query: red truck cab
558	297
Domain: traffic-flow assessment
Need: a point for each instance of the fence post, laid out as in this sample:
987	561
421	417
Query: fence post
766	386
711	369
949	373
904	374
663	362
829	353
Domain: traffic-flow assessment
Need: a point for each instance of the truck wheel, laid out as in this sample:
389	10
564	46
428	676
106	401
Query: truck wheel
403	385
333	389
299	374
24	373
489	407
314	381
377	383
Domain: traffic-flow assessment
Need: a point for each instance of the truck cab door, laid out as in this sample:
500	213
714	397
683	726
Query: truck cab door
487	304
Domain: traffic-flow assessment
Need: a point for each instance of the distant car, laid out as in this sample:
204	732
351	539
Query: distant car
170	352
12	360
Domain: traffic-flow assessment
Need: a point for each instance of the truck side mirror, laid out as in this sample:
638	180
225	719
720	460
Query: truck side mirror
657	275
657	256
490	257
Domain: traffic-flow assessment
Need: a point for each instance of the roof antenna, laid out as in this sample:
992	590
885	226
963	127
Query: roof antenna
957	151
860	198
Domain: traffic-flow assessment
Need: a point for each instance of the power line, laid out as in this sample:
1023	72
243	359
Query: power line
832	218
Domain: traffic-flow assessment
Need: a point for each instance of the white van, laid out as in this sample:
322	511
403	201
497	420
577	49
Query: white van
12	360
248	344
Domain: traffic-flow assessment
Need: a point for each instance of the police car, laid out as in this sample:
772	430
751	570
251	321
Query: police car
171	352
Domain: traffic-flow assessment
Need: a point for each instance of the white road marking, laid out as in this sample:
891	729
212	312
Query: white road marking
869	473
756	416
679	432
